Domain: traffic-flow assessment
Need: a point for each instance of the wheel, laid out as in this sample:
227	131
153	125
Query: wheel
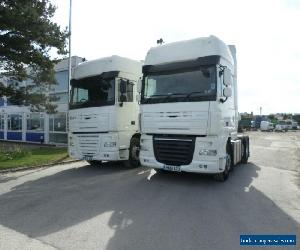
223	176
232	166
245	152
134	152
95	163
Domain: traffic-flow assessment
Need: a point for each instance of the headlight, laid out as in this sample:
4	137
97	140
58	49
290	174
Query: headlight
145	145
110	144
209	152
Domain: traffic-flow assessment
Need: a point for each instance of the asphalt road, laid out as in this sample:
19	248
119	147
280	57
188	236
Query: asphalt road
82	207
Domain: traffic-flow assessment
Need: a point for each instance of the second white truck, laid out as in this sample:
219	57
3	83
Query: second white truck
189	108
103	115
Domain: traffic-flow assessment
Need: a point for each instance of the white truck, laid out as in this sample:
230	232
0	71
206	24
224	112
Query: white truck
281	126
103	111
189	109
266	126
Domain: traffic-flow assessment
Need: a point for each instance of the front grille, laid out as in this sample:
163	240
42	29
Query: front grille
88	144
174	150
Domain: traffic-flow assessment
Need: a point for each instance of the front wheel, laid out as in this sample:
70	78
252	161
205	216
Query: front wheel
134	153
223	176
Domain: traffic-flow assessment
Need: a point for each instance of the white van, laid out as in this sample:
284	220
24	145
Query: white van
266	126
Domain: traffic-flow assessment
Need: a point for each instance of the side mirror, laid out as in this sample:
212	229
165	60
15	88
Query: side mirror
227	78
227	91
139	85
123	85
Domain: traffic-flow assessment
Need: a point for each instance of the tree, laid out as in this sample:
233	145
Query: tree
287	116
28	37
296	117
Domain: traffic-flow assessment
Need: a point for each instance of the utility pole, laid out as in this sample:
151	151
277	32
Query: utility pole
70	61
260	109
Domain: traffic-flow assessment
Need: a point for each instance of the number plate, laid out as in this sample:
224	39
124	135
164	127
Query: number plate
87	157
172	168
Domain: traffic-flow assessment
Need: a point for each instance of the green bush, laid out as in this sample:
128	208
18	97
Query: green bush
14	153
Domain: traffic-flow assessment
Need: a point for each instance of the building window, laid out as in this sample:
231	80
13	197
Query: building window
62	81
58	123
35	122
58	128
61	97
14	122
1	122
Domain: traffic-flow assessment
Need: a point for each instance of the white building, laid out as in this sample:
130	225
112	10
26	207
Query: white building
17	123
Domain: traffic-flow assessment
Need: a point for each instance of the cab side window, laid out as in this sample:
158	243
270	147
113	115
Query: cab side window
125	90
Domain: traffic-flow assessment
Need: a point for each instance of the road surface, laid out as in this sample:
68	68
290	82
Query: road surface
77	206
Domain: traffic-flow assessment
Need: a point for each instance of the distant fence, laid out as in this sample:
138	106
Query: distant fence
9	146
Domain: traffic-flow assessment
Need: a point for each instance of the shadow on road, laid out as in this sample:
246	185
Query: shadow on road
169	211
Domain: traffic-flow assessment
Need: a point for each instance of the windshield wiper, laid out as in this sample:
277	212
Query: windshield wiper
156	95
165	96
193	93
146	100
170	95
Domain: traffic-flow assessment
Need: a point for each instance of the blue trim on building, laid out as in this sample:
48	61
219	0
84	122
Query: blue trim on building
35	137
1	135
1	102
15	136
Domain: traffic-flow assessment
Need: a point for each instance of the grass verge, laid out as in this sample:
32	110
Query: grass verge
34	157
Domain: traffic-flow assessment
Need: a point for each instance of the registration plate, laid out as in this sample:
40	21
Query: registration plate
172	168
87	157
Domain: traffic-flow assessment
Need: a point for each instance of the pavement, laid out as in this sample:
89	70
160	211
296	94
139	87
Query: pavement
77	206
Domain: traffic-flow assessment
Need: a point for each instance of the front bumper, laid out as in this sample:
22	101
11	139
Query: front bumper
199	163
91	147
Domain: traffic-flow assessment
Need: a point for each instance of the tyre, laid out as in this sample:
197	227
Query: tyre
245	152
223	176
95	163
230	152
134	152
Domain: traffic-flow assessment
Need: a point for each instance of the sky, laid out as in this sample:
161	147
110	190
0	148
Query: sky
265	32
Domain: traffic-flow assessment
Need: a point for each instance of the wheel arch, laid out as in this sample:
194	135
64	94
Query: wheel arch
136	135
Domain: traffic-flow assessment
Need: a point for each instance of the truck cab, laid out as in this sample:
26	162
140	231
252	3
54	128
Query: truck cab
189	113
103	111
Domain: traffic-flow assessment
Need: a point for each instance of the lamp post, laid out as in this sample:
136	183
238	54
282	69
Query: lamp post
70	61
260	110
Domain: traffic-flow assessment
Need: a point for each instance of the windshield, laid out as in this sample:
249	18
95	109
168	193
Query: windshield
92	92
180	86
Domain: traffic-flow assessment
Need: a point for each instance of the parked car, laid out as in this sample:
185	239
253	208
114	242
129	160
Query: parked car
295	125
289	124
281	126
